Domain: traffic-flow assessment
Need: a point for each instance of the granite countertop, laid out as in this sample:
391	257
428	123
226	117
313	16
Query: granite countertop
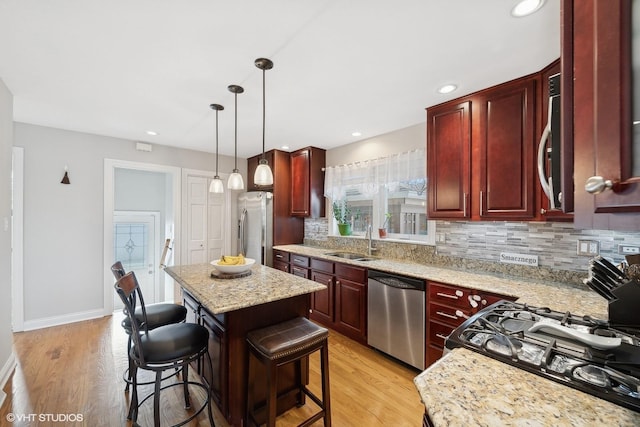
468	389
557	296
465	388
263	285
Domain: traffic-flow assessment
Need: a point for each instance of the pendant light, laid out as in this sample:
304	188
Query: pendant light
216	185
263	174
235	179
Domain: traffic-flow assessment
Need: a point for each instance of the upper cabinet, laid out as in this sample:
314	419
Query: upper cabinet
480	154
307	182
286	229
607	187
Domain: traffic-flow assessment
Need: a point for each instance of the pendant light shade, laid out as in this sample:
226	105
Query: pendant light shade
263	174
235	179
216	185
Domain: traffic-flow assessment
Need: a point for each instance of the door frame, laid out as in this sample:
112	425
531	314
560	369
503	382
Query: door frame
17	240
173	232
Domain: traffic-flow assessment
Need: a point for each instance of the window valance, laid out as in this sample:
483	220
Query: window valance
367	177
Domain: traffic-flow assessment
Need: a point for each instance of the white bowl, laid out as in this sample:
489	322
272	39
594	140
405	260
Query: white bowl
234	269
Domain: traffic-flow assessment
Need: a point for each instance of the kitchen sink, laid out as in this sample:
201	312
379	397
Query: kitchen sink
351	256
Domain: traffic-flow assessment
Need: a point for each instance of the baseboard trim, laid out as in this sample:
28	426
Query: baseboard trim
47	322
5	374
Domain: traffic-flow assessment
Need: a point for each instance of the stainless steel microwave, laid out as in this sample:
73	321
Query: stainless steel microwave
549	158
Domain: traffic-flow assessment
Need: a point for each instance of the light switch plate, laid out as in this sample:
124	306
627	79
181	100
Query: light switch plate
588	247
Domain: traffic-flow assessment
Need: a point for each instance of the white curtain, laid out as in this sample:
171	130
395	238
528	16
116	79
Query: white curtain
368	176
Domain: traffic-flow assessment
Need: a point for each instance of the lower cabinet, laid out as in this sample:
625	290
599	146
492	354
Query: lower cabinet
217	350
342	306
449	306
217	379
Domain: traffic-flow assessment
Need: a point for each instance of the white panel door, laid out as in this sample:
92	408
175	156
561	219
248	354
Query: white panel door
197	193
134	238
206	224
216	226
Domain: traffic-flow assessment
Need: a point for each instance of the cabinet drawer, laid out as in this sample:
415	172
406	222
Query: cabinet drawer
438	333
280	265
280	255
350	272
447	315
300	271
300	260
454	296
322	265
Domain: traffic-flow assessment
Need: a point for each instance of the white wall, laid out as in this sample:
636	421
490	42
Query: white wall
399	141
63	224
6	144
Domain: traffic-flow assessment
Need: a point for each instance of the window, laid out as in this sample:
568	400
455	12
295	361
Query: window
389	193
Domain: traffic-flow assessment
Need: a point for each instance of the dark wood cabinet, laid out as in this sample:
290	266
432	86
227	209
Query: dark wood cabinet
600	51
217	379
307	182
286	229
281	260
480	158
342	306
449	160
448	306
507	142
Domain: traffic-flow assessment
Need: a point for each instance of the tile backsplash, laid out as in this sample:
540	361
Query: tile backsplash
477	245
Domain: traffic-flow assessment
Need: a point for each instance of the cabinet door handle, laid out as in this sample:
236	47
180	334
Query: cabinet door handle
329	282
279	256
447	315
299	261
440	294
442	337
481	203
464	204
338	282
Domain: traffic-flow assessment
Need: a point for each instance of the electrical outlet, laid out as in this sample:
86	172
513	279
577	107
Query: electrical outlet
441	238
588	247
628	249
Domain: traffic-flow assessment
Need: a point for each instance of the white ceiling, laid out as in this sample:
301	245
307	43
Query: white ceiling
122	67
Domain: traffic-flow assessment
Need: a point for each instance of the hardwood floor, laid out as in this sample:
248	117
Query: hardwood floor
74	372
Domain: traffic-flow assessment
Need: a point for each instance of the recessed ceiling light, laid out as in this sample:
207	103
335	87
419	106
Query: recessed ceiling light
152	133
447	88
356	133
526	7
285	147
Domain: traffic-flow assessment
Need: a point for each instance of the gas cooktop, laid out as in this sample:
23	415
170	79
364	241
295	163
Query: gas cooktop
578	351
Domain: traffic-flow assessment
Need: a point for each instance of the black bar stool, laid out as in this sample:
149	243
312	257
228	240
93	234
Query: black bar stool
159	314
164	348
284	343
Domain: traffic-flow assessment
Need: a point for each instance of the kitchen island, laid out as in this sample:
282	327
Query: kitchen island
230	308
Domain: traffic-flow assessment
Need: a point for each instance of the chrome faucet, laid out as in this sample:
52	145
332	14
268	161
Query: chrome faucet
369	237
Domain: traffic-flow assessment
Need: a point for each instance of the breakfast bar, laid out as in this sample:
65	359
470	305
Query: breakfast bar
230	308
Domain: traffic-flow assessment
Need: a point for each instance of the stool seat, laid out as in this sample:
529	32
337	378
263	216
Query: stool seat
172	342
286	338
287	342
159	314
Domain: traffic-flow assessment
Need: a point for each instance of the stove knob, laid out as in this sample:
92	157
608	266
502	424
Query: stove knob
483	302
472	301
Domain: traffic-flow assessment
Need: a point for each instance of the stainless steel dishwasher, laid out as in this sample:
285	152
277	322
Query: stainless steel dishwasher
396	316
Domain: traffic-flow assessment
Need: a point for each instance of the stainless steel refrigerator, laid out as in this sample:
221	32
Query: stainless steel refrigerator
255	226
